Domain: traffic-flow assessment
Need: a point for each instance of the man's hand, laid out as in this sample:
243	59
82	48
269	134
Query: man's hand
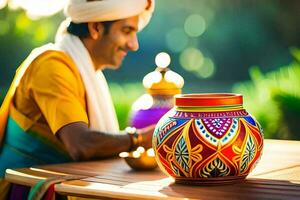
147	134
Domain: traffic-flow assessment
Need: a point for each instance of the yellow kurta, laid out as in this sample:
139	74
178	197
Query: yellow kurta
51	94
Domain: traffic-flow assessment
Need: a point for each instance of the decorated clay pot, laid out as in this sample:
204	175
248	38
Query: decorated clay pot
207	139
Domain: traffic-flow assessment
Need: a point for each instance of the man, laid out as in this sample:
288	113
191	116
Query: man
58	108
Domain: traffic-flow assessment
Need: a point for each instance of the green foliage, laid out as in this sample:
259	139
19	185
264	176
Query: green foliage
123	97
274	99
17	24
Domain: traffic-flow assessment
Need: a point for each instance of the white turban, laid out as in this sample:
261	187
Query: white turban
80	11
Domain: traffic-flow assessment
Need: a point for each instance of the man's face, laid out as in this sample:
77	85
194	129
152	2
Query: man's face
112	47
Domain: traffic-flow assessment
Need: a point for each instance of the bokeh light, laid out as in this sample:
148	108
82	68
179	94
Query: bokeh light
41	33
194	25
191	59
124	154
136	154
207	69
162	60
4	27
140	149
150	152
22	22
176	39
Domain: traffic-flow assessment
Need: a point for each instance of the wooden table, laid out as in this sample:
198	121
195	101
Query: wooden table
277	176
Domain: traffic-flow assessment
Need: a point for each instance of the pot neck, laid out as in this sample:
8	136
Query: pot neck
209	108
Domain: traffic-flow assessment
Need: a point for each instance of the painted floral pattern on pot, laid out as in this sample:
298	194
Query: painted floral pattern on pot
208	142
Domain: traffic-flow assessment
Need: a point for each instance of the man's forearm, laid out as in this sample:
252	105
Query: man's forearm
84	144
100	144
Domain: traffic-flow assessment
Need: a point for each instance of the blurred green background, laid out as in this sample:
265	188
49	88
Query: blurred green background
245	46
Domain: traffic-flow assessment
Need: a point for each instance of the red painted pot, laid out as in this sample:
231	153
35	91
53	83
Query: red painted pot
207	139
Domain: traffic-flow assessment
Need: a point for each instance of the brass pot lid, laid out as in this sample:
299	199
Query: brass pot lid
163	81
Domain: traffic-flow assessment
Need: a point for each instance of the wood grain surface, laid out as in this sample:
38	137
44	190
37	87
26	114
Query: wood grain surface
277	176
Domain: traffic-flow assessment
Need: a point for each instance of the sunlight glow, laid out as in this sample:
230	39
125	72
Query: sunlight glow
155	185
3	3
13	4
38	8
143	103
132	188
46	171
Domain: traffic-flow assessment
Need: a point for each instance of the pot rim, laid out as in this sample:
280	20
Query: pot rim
208	100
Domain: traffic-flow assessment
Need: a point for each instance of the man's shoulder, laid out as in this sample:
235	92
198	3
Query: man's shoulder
52	68
53	61
54	56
